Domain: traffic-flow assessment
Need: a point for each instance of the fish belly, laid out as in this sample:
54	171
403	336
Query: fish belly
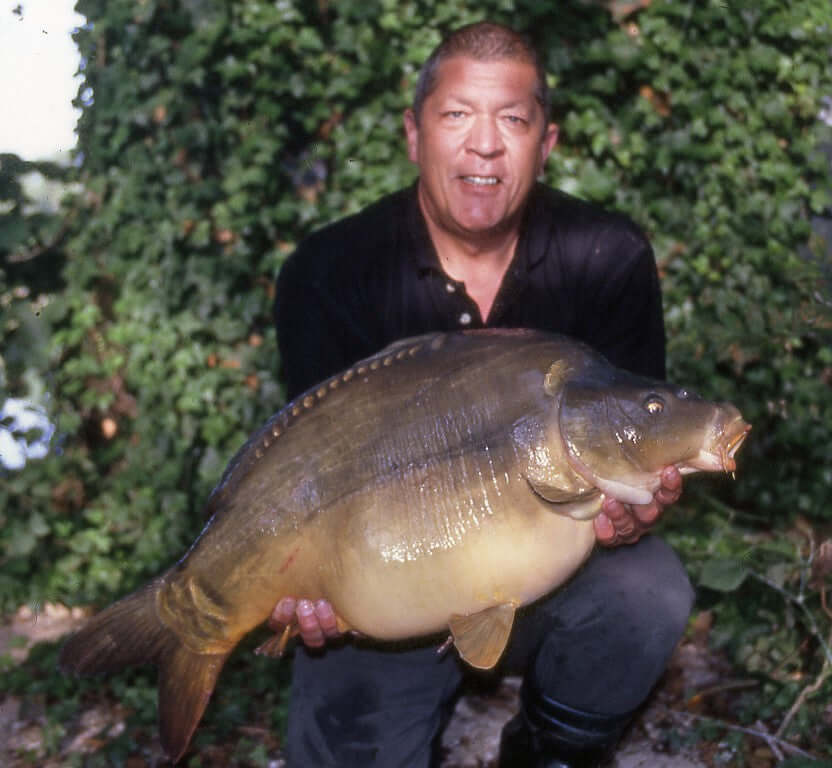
392	586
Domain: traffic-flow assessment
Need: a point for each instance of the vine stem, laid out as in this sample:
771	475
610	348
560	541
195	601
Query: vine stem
777	744
804	694
826	645
813	625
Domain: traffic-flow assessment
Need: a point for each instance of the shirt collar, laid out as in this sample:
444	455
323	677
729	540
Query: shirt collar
424	254
531	246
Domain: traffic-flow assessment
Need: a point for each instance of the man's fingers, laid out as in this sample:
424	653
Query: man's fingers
671	487
672	478
315	621
621	516
623	520
670	490
309	625
283	614
614	510
647	514
624	523
326	618
666	498
604	530
626	529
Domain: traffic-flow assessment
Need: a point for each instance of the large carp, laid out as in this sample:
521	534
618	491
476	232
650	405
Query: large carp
436	486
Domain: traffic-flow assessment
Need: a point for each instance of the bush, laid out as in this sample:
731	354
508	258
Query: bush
216	135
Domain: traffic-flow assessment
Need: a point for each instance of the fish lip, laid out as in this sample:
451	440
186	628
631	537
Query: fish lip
732	445
720	456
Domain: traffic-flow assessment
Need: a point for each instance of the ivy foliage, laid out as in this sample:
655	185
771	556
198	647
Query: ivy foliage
31	235
214	136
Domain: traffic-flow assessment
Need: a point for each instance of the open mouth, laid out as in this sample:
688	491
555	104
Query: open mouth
732	444
481	181
720	456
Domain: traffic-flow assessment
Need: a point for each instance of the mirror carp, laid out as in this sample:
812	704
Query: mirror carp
436	486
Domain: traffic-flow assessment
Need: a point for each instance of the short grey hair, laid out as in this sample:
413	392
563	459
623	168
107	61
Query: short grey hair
483	41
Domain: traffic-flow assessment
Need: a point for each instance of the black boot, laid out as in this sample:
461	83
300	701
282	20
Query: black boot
548	734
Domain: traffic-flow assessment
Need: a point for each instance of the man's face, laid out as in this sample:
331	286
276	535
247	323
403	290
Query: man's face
480	144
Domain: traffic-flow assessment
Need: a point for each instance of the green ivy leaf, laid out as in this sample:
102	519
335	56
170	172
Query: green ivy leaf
723	575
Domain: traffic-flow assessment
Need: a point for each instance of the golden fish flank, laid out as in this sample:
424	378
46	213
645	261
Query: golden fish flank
436	486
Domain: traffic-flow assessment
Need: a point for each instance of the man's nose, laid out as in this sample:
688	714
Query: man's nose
484	138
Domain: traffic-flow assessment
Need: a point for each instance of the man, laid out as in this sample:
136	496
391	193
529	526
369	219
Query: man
477	242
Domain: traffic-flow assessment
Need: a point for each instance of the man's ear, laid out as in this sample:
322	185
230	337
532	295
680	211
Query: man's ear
547	144
411	132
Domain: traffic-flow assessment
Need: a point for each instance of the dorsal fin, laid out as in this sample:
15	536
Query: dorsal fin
425	340
255	447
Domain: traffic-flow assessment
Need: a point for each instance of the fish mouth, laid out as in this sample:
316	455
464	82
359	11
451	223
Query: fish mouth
732	445
720	455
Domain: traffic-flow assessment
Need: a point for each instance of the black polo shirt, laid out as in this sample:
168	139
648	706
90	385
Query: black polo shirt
363	282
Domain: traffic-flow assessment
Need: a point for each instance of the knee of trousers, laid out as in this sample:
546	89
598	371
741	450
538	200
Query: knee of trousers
638	594
362	706
650	596
609	646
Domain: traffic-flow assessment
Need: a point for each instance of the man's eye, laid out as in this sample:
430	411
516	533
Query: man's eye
515	119
455	113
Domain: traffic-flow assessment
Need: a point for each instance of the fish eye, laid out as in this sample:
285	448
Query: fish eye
654	404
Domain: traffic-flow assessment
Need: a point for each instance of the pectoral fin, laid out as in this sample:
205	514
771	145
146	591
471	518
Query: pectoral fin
276	644
584	509
558	495
481	637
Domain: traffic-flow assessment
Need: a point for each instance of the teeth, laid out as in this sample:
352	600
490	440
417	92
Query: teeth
481	180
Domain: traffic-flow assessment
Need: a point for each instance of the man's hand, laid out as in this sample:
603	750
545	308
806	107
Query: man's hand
315	621
625	523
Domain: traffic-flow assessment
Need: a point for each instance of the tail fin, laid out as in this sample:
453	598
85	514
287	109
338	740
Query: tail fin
186	682
129	632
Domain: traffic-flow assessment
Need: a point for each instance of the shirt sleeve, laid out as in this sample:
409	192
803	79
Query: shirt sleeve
621	285
318	331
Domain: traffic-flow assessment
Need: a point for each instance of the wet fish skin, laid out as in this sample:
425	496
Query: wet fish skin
441	483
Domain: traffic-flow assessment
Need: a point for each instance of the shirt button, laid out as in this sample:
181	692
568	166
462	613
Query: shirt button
450	287
465	318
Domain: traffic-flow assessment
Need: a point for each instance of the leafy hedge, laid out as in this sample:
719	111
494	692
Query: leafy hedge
215	135
31	237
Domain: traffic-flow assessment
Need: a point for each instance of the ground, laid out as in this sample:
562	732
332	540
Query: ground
662	736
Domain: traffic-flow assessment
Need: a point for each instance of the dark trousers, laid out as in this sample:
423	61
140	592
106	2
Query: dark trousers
598	644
